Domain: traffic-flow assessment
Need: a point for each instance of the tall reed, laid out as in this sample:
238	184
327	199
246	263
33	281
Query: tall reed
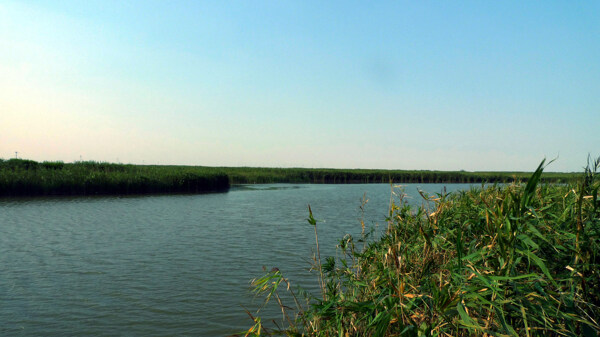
29	178
258	175
514	260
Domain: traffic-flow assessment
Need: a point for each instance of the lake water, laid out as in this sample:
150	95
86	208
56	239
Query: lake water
167	265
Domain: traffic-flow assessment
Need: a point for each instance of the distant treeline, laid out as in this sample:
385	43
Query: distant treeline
20	177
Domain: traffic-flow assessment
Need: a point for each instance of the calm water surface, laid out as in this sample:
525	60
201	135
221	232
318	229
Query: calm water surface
167	265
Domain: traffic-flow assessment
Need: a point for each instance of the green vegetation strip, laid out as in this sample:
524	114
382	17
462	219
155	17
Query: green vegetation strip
251	175
20	177
29	178
512	260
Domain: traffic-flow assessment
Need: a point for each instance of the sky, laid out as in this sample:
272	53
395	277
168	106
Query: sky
440	85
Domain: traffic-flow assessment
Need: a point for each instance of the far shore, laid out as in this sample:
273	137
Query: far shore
21	177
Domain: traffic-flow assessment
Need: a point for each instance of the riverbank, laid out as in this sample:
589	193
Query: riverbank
20	177
513	260
264	175
30	178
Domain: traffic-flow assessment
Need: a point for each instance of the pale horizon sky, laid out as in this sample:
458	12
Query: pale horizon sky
473	85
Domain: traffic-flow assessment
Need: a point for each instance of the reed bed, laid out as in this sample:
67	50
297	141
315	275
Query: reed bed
258	175
511	260
29	178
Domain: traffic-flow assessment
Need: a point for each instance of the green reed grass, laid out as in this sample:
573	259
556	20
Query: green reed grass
29	178
259	175
514	260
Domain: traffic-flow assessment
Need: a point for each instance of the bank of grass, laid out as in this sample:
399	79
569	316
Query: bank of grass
257	175
515	260
29	178
19	177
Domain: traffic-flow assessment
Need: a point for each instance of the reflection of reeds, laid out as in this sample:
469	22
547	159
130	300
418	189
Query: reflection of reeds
514	260
25	177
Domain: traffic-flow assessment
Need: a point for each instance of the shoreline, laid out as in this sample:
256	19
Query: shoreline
20	177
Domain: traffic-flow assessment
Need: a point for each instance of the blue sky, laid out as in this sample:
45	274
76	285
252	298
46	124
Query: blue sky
395	85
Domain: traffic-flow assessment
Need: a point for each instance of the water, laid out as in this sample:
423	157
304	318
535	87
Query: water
167	265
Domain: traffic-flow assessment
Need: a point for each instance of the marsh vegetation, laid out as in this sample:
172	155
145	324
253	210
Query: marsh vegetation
29	178
258	175
19	177
516	260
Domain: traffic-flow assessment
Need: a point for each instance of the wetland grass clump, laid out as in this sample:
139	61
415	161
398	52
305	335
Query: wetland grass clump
513	260
29	178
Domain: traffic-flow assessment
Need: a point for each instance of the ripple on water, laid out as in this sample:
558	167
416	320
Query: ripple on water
164	265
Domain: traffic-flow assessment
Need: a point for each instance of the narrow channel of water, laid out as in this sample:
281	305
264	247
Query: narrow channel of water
167	265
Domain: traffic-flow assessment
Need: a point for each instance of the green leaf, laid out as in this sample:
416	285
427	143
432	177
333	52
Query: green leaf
466	319
531	185
503	278
311	220
537	233
539	263
527	240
